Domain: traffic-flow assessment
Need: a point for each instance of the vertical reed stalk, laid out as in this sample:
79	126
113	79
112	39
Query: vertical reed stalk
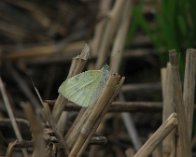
77	66
95	114
109	32
183	147
168	108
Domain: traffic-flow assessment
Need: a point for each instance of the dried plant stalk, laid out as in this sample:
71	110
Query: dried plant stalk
122	106
118	46
96	140
163	82
11	116
61	123
37	132
41	50
95	114
183	146
111	27
74	131
189	87
141	87
100	119
169	143
118	106
158	136
99	28
77	66
10	149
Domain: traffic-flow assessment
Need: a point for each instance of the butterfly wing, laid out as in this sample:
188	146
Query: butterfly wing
82	89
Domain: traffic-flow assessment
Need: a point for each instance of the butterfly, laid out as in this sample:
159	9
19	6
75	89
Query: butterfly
84	88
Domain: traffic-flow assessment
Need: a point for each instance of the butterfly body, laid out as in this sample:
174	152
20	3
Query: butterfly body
84	88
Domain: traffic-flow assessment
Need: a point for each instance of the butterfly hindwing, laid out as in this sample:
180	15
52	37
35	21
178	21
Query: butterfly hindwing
84	88
80	88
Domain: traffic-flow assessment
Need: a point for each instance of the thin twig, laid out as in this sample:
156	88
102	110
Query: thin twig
11	116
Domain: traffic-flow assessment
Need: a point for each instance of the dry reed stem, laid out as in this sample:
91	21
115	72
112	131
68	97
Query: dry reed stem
10	149
118	106
36	130
41	50
168	146
115	62
158	136
163	82
79	62
46	112
157	152
96	140
48	119
74	130
19	121
154	86
99	28
119	42
123	106
61	123
189	87
58	106
183	146
68	55
109	32
100	119
98	108
77	66
11	115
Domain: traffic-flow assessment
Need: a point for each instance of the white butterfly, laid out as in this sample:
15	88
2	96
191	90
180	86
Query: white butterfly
84	88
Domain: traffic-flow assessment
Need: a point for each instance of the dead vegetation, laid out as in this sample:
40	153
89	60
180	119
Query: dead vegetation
48	126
